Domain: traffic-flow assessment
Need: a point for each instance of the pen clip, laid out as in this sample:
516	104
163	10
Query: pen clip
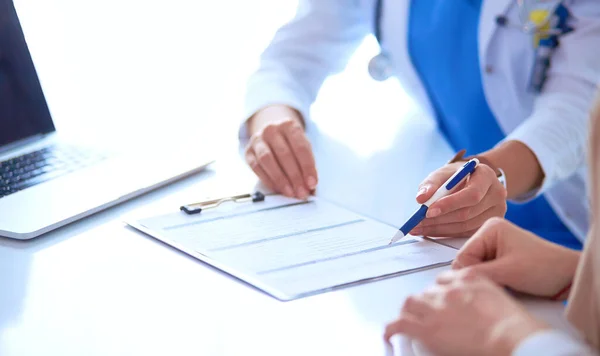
464	171
196	208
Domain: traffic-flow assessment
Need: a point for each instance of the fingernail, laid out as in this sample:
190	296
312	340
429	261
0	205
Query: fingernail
287	191
432	213
311	182
422	191
302	193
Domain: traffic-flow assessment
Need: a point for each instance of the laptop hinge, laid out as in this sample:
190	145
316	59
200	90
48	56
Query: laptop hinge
13	146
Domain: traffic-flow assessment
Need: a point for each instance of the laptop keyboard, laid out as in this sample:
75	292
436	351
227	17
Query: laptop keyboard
43	165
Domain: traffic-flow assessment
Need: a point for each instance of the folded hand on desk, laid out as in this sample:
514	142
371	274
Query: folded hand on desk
279	152
518	259
464	211
465	314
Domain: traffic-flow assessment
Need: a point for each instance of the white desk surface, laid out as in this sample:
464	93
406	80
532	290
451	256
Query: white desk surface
97	287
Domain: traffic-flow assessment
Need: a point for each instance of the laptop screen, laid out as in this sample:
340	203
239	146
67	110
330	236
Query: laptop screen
23	109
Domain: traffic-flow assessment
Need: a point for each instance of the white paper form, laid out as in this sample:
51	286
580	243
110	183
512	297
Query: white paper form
292	248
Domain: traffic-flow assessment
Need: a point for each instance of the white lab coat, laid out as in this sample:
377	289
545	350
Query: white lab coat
554	124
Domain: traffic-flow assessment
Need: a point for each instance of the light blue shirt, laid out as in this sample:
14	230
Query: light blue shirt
553	343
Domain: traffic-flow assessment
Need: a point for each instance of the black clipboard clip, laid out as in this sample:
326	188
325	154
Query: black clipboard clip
196	208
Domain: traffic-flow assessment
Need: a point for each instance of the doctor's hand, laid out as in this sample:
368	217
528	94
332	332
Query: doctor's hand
461	213
518	259
279	152
465	314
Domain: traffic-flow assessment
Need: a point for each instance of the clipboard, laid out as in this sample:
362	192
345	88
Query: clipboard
290	248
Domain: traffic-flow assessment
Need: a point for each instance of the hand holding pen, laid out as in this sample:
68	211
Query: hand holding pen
459	214
454	206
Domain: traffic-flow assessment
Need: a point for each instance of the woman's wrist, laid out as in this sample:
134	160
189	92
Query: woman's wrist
568	260
272	114
513	332
520	165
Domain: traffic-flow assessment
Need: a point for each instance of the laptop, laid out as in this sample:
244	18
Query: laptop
46	181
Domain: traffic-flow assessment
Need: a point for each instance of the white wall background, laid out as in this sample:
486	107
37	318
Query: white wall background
131	71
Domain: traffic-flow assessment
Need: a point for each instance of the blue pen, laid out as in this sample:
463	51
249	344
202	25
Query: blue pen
444	190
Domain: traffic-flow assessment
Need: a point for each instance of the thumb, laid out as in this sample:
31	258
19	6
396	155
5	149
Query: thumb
463	260
434	181
498	271
483	246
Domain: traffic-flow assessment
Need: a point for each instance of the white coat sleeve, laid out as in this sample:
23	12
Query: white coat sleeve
557	130
552	343
316	43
